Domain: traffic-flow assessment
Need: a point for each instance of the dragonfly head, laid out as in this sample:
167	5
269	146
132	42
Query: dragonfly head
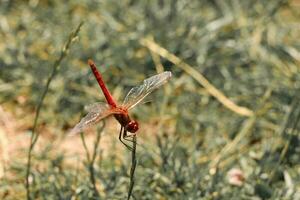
132	126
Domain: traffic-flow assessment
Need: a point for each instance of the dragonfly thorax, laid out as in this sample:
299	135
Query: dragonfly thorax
130	125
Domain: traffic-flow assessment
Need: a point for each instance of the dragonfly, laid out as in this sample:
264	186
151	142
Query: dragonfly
100	110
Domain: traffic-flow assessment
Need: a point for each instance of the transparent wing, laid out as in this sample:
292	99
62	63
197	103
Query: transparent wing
97	106
96	112
138	93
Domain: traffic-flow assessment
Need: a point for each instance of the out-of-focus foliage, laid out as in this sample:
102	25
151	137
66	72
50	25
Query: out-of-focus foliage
249	50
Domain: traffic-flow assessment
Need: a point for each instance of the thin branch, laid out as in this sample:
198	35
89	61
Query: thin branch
133	166
35	135
91	160
212	90
88	157
159	69
245	130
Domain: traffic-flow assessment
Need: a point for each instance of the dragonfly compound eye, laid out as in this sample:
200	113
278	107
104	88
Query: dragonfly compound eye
132	126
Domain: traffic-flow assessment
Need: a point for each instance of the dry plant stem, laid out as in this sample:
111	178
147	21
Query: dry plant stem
245	130
154	47
91	160
159	69
90	166
158	65
133	166
233	156
88	157
96	145
35	135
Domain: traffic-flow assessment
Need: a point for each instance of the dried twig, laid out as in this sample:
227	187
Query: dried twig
212	90
35	135
133	166
91	160
245	130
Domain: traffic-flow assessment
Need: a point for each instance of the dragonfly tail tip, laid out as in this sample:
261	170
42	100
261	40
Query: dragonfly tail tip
90	62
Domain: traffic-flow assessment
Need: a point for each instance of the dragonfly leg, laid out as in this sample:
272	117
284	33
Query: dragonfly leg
120	138
128	138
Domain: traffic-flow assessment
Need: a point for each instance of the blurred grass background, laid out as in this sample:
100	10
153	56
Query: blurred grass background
189	141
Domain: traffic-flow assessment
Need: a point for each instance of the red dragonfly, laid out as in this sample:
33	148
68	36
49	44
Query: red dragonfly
101	110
